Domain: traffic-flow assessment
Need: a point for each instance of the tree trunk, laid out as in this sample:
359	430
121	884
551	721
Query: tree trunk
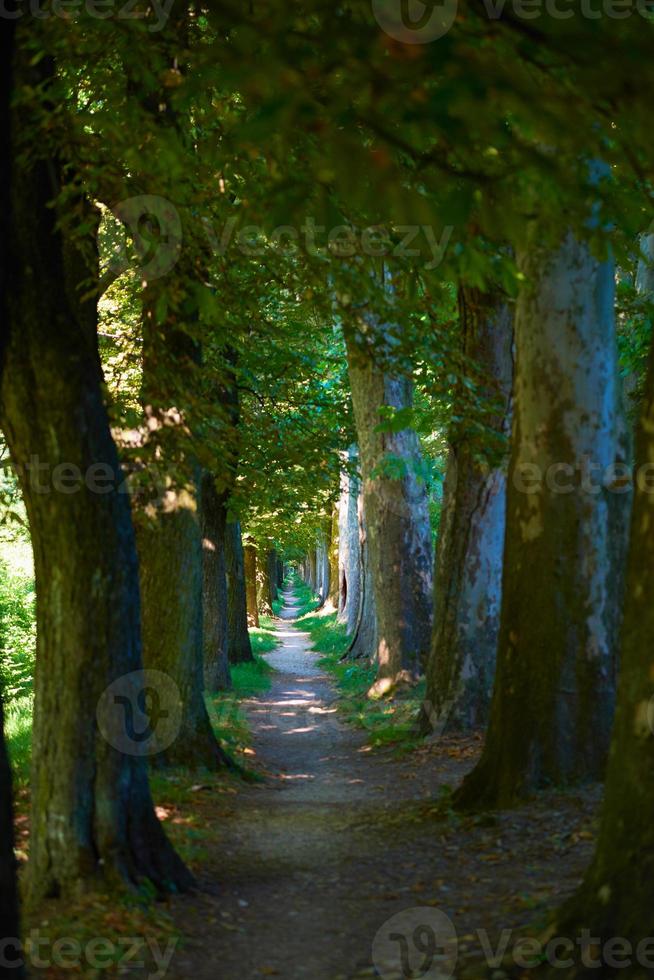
92	814
239	647
468	576
616	896
264	592
250	563
272	575
312	580
554	690
214	588
332	557
171	567
364	633
397	518
349	550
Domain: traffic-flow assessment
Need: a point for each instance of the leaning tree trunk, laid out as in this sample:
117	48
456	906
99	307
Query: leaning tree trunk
397	516
349	551
92	814
214	589
554	689
250	566
239	647
617	894
468	576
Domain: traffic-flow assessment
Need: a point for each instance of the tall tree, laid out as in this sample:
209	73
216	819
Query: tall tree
616	895
92	814
468	576
250	567
395	507
566	431
239	647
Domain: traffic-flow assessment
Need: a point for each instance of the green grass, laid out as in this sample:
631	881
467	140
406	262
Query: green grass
18	735
227	716
262	640
388	721
305	595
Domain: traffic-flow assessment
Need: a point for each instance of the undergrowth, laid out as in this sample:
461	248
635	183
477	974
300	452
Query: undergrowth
389	721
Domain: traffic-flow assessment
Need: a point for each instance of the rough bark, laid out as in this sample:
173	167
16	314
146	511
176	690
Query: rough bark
332	557
468	571
250	564
239	647
312	579
397	515
364	634
214	586
554	691
349	550
92	814
616	896
171	575
264	592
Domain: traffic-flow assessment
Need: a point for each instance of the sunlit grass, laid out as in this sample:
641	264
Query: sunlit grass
389	721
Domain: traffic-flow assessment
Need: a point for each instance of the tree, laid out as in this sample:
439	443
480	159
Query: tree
92	814
468	578
615	898
395	507
215	597
250	565
239	647
554	690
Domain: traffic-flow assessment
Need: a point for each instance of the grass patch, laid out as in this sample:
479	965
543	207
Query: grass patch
263	637
18	735
389	721
227	716
307	598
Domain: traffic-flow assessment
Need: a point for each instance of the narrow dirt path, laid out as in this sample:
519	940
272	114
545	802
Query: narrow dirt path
307	866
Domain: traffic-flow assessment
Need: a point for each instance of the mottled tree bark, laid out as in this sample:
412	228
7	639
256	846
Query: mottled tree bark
312	579
332	557
468	576
92	814
239	647
397	514
617	894
365	631
214	586
250	564
349	551
554	689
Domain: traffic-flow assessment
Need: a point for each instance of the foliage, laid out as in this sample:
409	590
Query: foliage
17	632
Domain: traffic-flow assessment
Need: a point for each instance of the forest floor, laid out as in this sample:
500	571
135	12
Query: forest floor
300	871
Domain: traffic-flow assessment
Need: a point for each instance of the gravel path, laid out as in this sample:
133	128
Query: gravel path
302	870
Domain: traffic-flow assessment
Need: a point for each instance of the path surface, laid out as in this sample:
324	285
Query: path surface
306	866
